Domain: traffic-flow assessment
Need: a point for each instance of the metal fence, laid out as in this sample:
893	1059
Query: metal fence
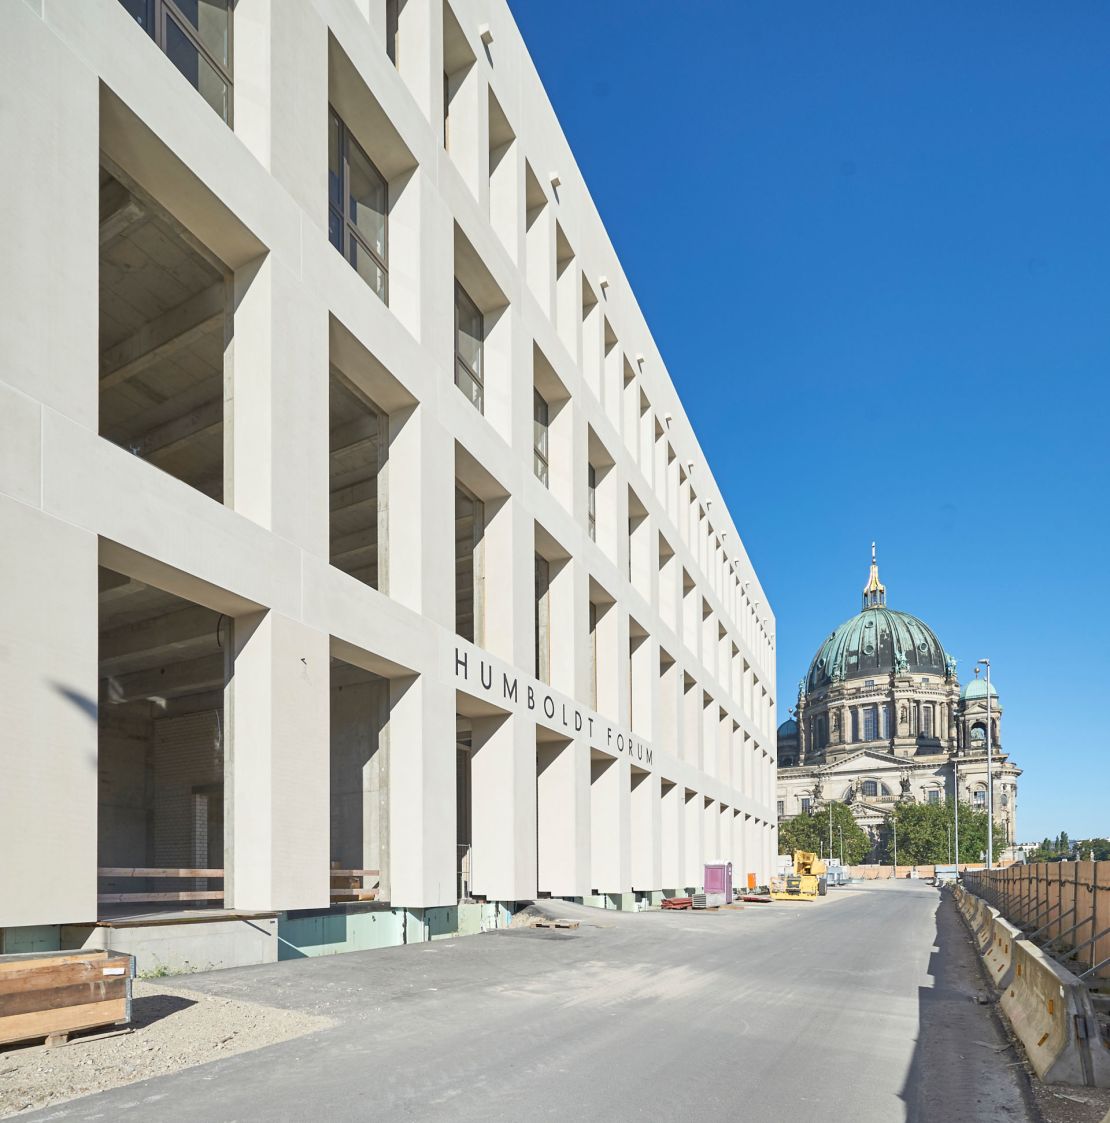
1063	906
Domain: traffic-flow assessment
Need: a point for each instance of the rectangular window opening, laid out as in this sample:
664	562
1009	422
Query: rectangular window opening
541	421
469	347
358	207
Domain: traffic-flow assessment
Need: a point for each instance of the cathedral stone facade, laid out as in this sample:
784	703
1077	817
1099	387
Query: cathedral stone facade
881	718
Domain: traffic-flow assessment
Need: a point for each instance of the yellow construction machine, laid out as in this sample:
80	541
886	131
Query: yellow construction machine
806	882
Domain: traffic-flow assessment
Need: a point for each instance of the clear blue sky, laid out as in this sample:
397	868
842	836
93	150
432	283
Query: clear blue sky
872	241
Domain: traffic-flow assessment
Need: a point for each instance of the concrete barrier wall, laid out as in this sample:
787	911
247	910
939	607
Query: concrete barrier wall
1051	1013
1048	1008
999	956
984	936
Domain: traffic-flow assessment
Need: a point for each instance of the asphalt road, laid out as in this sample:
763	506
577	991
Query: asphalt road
860	1006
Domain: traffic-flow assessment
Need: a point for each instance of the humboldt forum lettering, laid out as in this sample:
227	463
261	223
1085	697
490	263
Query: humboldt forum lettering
559	713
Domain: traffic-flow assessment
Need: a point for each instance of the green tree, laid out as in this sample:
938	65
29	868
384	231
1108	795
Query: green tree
926	834
810	831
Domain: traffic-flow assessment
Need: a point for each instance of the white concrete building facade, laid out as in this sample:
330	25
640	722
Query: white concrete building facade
350	518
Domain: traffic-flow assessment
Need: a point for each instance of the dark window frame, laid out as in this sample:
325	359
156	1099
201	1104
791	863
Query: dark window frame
160	12
392	29
591	502
349	231
478	378
541	438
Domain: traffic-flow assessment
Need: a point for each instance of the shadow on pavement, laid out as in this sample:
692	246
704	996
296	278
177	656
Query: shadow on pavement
963	1066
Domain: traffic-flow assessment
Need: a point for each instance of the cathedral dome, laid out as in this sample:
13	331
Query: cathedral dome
878	640
788	728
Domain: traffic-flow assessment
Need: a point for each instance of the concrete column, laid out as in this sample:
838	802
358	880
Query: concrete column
276	431
503	807
48	696
421	503
693	814
646	822
49	130
563	817
710	825
739	860
422	793
277	766
281	83
609	825
420	54
672	836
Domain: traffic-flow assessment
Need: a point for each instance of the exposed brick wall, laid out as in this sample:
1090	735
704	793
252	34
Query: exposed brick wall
188	755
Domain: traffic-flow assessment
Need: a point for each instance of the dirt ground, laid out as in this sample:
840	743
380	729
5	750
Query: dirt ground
172	1028
1059	1104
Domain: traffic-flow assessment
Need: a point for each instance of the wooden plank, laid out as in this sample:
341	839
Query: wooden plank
147	871
355	873
42	1023
128	898
17	963
57	998
46	977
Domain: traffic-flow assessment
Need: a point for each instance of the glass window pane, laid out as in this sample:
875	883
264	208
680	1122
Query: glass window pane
367	268
367	203
392	23
184	54
539	466
335	176
469	335
211	19
471	388
142	12
335	229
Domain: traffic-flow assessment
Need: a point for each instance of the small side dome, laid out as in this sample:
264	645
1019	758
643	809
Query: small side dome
977	688
788	728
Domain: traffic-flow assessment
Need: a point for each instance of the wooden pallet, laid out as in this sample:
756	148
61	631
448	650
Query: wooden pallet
543	922
53	994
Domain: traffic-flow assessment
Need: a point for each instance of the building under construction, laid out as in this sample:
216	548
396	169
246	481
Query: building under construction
362	573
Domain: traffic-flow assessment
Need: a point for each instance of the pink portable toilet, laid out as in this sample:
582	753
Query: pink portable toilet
718	883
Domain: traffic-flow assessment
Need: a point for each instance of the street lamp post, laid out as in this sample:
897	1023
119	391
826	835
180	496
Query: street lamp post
956	811
830	828
894	824
990	778
841	829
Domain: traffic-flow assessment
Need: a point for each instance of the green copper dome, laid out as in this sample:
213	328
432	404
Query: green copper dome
977	688
877	641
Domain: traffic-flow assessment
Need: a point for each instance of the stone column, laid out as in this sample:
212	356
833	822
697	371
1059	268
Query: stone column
503	787
277	768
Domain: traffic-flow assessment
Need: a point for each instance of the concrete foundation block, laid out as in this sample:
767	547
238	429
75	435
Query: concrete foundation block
31	938
183	947
333	933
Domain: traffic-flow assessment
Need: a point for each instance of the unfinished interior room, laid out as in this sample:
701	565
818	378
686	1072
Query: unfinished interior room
364	577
